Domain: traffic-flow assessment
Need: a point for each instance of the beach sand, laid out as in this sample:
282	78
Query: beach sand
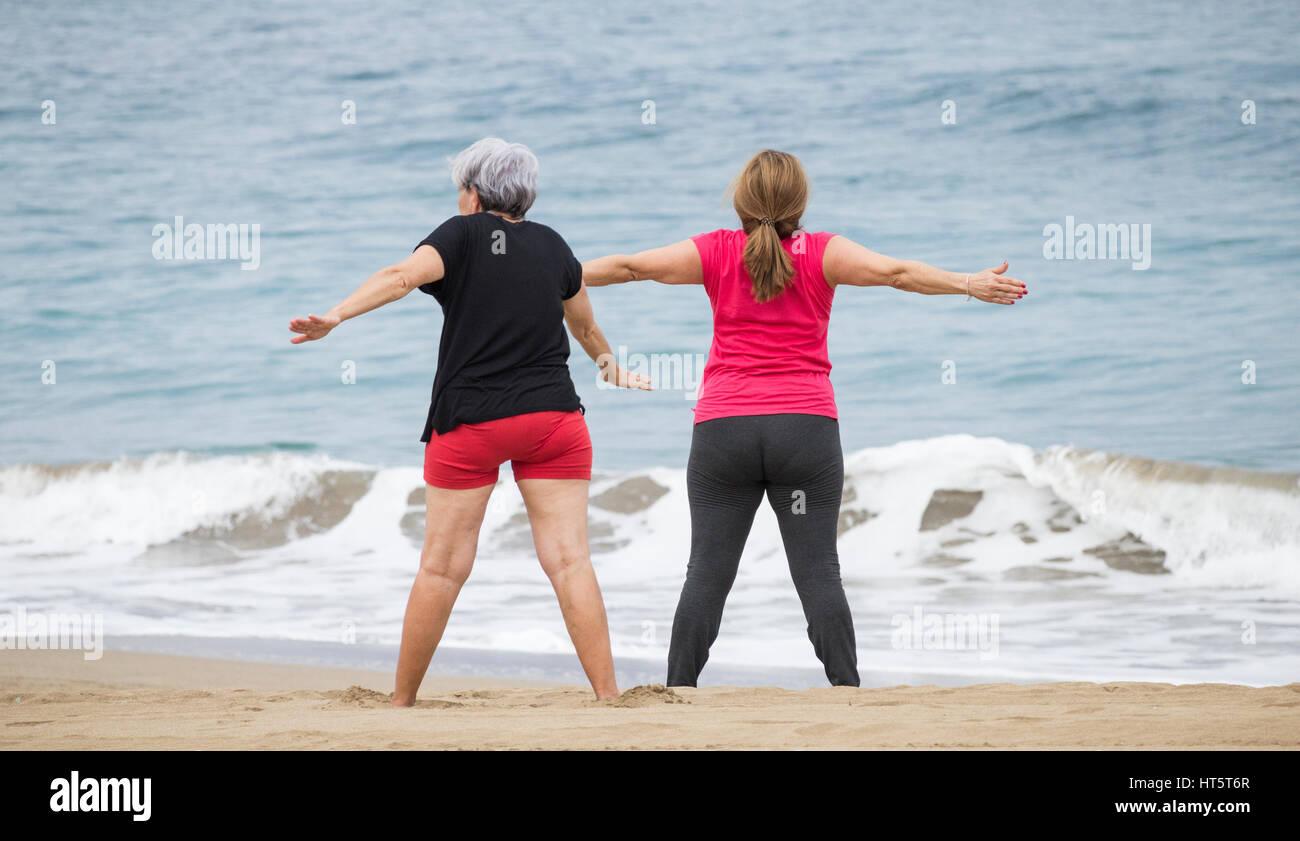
58	700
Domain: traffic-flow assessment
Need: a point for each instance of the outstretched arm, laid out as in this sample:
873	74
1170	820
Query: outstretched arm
582	323
849	263
673	264
383	287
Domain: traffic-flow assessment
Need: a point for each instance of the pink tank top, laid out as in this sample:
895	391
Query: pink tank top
769	358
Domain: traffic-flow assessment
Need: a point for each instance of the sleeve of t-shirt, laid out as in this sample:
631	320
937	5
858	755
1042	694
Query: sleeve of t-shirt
707	245
571	280
816	258
450	241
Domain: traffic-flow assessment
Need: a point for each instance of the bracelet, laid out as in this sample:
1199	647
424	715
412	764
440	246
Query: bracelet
968	286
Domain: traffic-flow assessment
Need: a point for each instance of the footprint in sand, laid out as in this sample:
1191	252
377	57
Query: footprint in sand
645	696
359	696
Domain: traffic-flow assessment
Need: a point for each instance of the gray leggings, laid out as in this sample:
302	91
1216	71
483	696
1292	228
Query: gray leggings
797	461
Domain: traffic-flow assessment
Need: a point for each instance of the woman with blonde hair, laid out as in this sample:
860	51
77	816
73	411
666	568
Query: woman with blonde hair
766	420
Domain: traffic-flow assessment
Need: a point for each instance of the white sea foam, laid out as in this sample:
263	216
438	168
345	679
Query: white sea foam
1097	564
142	502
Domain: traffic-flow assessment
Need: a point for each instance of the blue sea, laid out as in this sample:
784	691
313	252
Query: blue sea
1109	470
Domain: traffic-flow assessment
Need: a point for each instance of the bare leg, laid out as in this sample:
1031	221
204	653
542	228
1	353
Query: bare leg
451	524
557	511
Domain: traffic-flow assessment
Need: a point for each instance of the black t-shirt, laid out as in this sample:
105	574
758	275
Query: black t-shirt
504	349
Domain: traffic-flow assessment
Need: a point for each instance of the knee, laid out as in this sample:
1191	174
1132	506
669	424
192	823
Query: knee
705	596
823	574
564	563
442	570
709	576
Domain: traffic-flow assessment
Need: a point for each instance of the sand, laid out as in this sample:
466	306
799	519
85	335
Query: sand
57	700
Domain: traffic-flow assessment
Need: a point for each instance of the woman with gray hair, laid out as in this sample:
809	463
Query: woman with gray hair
502	392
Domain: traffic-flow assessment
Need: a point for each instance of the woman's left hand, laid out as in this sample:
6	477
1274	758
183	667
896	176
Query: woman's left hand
623	378
313	327
993	286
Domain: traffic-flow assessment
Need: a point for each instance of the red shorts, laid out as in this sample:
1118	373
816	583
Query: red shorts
538	445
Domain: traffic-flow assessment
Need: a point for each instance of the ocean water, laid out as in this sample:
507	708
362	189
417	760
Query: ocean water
1112	477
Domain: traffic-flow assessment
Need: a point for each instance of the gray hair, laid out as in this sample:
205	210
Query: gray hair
505	175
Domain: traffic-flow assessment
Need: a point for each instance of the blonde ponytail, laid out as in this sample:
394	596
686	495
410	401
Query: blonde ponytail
769	196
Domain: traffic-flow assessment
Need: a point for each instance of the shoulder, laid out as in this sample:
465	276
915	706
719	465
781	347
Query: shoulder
715	245
448	237
543	227
819	238
547	233
448	231
812	244
546	230
722	236
809	254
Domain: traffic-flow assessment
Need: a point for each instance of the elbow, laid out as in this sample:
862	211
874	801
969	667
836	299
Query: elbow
625	271
616	268
899	277
399	282
583	329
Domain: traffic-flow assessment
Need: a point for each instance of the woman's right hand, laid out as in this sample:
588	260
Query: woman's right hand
994	287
